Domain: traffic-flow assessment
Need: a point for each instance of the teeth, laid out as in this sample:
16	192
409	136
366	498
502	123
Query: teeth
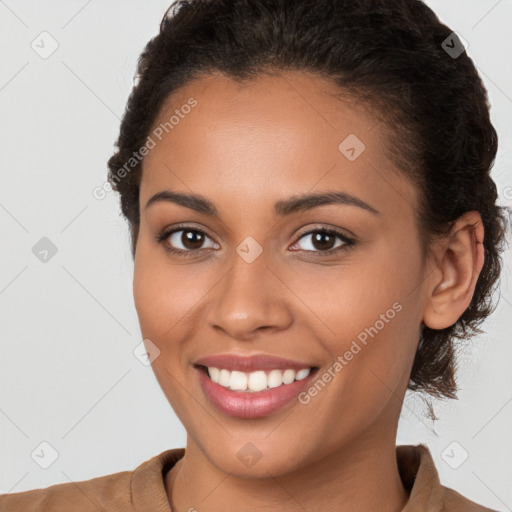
255	381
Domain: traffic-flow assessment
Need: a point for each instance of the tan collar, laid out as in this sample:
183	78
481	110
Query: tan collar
415	464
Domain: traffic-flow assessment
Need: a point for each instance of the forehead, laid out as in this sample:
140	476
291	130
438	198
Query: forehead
272	137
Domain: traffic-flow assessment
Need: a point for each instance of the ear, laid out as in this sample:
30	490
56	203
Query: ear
459	261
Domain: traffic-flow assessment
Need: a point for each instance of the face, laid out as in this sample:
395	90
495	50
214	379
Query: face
252	280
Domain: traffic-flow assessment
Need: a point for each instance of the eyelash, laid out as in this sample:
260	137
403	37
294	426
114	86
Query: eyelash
348	243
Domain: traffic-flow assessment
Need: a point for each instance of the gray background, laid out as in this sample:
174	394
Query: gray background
68	374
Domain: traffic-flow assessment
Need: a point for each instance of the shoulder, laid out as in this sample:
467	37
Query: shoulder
87	495
456	501
421	479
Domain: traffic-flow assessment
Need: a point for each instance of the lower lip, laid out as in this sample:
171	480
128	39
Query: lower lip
251	404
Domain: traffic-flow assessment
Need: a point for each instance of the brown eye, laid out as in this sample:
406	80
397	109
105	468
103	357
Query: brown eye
186	241
324	241
191	239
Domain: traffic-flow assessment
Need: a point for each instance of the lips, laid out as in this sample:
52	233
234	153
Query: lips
254	404
252	363
251	405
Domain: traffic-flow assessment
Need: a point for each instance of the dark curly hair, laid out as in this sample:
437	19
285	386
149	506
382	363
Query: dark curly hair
390	55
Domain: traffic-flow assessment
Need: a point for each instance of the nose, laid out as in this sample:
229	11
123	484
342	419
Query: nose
250	299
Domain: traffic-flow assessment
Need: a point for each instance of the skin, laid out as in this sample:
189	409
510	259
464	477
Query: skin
245	147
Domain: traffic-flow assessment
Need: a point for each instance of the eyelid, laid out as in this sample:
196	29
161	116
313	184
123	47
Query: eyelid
326	227
167	231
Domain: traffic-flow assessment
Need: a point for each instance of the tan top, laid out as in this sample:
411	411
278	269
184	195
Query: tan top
143	489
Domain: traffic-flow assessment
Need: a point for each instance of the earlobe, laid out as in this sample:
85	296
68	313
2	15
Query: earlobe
460	261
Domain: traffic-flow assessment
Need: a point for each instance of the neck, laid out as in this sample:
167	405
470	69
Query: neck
363	475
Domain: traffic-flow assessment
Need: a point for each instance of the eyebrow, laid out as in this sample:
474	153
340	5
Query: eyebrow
294	204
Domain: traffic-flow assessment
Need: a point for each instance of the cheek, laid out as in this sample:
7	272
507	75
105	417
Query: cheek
353	295
370	310
162	319
154	293
165	295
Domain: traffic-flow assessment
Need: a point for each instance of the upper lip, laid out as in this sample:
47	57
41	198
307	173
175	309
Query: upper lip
234	362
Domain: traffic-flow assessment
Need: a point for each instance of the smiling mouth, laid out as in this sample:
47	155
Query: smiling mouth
256	381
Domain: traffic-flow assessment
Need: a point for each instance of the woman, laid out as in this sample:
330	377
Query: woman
313	225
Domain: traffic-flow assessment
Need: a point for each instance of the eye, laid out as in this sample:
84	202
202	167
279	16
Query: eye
321	240
185	241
